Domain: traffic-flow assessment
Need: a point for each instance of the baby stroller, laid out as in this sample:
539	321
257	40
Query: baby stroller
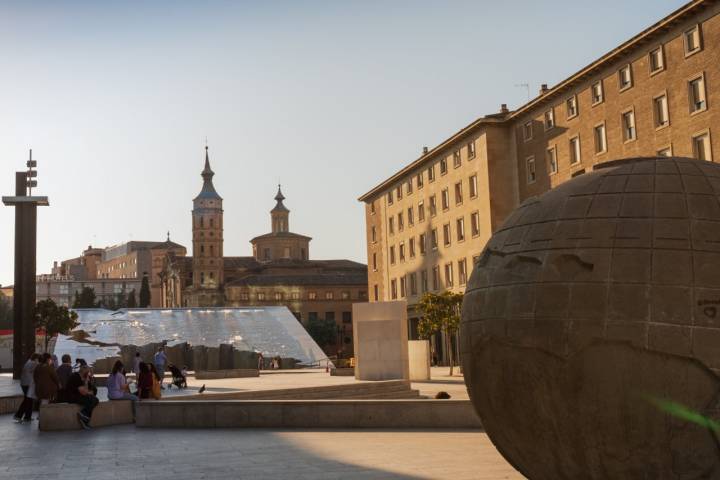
178	379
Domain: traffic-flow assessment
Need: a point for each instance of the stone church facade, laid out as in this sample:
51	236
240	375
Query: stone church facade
280	271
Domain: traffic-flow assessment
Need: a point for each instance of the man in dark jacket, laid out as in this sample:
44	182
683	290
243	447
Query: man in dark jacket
81	391
63	373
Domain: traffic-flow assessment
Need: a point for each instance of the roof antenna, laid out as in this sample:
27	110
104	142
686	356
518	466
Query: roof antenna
527	88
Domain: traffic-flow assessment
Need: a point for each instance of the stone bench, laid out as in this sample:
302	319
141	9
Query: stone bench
63	416
342	372
308	414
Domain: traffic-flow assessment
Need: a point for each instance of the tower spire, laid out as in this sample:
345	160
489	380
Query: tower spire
208	189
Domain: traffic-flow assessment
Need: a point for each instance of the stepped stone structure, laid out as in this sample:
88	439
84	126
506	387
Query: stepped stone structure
593	314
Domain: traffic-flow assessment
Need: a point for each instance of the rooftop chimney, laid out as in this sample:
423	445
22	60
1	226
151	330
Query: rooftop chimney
503	108
425	150
543	89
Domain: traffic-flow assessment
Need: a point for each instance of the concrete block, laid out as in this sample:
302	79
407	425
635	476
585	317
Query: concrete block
231	373
225	357
380	340
63	416
213	358
419	359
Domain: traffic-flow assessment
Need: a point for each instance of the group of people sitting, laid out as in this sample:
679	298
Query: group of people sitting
43	383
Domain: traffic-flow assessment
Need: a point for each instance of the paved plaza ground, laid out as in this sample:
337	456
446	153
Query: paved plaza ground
130	452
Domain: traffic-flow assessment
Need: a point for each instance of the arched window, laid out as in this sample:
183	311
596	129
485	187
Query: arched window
202	222
212	251
211	223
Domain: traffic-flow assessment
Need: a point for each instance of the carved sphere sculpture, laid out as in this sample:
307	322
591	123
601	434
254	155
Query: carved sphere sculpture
590	333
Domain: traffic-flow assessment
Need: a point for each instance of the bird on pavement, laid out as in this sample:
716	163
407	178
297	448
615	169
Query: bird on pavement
202	389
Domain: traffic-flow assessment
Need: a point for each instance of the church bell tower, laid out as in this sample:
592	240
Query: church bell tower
207	221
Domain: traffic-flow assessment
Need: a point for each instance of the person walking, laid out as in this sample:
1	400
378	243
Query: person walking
24	413
46	380
160	361
63	373
261	361
136	364
80	391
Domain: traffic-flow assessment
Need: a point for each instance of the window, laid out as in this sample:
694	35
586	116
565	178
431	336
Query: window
701	146
446	234
312	295
431	173
403	291
421	241
575	150
462	271
696	94
419	181
413	284
261	296
423	281
411	247
345	295
421	212
552	164
527	131
549	119
374	262
347	317
665	152
392	255
433	206
530	169
398	192
212	223
372	207
445	199
409	187
449	275
402	251
433	239
278	296
286	252
312	316
401	222
475	224
329	295
693	40
660	111
656	60
436	277
600	138
376	293
625	77
295	295
456	158
410	217
391	225
458	193
202	250
471	149
373	234
390	197
572	107
628	126
393	289
597	94
245	296
267	254
443	166
460	229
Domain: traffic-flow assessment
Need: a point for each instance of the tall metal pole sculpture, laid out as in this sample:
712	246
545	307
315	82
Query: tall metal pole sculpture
25	263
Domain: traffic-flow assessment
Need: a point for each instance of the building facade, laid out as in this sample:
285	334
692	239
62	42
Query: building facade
656	94
279	273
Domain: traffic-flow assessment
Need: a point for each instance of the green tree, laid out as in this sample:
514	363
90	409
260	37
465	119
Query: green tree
54	319
6	312
85	299
440	314
131	301
145	292
322	330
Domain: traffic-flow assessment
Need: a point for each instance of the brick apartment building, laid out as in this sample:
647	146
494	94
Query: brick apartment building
656	94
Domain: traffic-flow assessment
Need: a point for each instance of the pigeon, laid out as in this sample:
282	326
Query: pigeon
202	389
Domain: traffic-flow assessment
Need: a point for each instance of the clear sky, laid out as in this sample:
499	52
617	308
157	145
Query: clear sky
116	99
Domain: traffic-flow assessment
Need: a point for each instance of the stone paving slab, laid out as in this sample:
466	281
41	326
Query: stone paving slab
126	452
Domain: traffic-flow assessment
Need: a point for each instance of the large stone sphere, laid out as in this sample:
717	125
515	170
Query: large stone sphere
592	320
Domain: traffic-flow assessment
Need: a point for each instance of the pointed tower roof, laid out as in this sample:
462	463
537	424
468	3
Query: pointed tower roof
208	189
279	207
